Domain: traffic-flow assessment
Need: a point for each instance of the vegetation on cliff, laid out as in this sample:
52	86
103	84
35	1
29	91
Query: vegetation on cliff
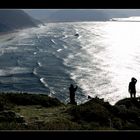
40	112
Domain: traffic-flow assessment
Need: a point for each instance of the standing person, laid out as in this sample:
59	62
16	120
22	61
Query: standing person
132	87
72	91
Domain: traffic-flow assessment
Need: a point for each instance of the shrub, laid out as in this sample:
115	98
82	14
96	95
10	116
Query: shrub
30	99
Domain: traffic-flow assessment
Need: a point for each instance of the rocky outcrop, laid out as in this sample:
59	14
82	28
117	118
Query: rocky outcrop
125	114
10	116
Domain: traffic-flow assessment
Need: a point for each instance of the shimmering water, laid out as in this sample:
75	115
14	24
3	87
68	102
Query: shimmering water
101	60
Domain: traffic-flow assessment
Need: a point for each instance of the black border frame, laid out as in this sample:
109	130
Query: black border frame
69	4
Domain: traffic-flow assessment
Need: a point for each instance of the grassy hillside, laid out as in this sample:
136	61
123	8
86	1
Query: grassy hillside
40	112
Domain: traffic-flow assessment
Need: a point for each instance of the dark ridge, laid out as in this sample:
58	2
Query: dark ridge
28	99
11	20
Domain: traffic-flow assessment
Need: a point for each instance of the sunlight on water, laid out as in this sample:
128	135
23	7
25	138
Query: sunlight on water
101	61
124	53
122	44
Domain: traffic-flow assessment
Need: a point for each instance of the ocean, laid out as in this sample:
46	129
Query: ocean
45	60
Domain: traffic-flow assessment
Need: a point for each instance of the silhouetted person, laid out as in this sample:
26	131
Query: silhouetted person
72	94
89	97
132	87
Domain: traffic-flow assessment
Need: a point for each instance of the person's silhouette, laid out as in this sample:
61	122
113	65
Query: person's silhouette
132	87
72	94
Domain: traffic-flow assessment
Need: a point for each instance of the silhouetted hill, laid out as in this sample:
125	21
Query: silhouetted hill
129	103
15	19
61	15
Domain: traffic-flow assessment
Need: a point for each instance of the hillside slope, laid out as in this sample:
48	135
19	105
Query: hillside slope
15	19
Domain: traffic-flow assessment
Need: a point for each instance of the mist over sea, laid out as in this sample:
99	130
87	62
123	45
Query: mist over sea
47	59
